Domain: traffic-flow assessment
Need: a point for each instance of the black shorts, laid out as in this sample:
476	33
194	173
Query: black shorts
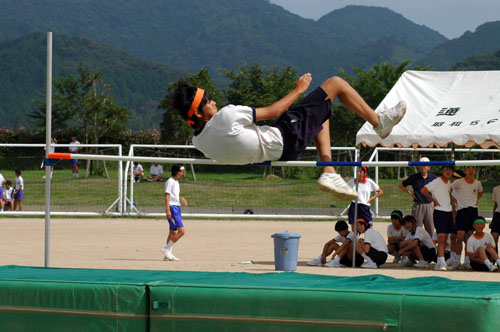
495	223
465	219
363	212
379	257
443	222
347	262
429	254
300	124
479	266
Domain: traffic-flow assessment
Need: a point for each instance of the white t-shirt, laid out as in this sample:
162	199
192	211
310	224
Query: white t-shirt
155	170
473	243
173	189
466	193
8	193
496	197
375	240
74	148
138	168
422	236
441	192
391	231
2	179
339	238
19	182
231	136
364	190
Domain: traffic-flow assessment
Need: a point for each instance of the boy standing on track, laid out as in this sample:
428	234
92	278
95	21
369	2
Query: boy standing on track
173	209
467	192
481	248
231	135
443	217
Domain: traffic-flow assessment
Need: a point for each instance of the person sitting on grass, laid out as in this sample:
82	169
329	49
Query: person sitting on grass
396	233
372	247
156	173
418	244
231	136
342	253
481	248
8	196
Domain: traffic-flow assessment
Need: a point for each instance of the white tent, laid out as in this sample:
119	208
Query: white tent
443	107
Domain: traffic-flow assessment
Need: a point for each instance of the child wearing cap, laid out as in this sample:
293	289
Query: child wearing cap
481	248
173	210
443	217
372	247
396	233
230	135
418	244
495	223
342	254
365	187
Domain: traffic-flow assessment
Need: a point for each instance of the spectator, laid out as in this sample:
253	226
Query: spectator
74	148
138	172
19	191
2	182
8	196
156	173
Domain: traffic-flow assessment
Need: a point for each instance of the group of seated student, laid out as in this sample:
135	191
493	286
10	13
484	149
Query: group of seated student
411	246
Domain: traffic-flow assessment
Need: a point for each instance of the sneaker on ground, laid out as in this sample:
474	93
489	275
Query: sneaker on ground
450	261
333	263
455	266
315	262
466	266
334	184
168	255
422	264
493	268
175	258
389	117
369	265
440	267
396	259
406	262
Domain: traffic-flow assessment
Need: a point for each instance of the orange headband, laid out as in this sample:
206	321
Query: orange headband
194	105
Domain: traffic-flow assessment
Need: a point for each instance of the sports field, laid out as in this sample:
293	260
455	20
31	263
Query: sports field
209	245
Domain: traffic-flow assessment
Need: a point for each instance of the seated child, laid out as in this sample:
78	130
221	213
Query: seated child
342	254
418	244
372	247
481	248
8	196
395	234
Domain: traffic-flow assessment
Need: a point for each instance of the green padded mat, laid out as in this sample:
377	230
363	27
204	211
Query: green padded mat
53	299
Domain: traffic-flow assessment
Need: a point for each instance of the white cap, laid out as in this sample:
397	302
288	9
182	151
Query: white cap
424	159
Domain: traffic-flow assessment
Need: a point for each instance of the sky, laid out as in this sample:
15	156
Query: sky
451	18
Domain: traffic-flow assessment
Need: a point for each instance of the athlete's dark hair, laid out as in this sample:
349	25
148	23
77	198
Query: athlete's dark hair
409	218
341	225
181	99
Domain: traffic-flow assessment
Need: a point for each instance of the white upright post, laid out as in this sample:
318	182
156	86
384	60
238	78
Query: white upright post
48	136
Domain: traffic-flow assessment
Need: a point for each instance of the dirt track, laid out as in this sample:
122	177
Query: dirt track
218	246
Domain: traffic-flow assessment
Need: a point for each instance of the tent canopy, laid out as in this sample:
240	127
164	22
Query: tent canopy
462	108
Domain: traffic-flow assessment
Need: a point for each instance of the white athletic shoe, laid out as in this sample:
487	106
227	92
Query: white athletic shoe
168	255
440	267
455	266
334	184
315	262
333	263
450	261
370	265
175	258
467	267
422	264
389	117
397	259
406	262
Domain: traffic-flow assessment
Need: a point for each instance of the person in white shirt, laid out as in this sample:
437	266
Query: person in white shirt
467	191
232	136
2	182
138	172
8	196
342	253
173	202
156	172
482	249
443	217
418	244
19	191
372	247
365	187
396	233
74	147
495	222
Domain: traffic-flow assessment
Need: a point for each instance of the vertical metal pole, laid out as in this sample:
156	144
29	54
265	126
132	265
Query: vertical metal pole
356	177
376	181
48	136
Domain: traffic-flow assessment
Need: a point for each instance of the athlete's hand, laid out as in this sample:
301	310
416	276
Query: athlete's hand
169	214
303	83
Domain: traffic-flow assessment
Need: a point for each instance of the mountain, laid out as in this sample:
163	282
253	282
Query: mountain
485	39
490	61
138	84
217	34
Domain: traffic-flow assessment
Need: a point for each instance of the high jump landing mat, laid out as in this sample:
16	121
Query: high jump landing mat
58	299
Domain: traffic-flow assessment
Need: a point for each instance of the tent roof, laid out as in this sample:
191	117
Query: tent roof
443	108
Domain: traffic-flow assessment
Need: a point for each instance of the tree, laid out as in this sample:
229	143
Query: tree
373	85
174	129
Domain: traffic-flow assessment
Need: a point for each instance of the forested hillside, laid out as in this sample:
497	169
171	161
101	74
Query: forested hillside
490	61
138	84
